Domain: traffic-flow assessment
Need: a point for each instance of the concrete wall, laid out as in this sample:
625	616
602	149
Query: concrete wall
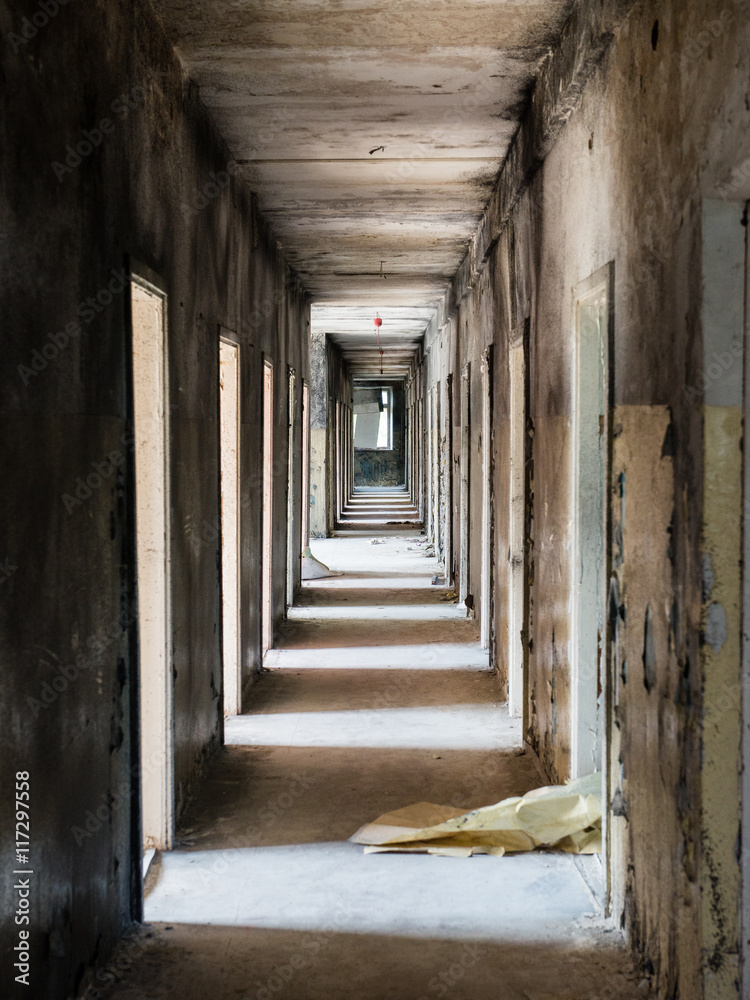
152	181
640	116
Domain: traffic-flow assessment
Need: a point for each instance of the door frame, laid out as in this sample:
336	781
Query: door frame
464	496
290	486
231	637
267	509
591	475
154	689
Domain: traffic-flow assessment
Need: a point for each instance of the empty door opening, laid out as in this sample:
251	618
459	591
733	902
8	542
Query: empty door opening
517	527
591	465
486	570
463	498
437	534
290	490
267	555
151	437
305	525
229	422
446	477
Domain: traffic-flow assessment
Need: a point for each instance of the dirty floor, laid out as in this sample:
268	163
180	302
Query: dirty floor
377	696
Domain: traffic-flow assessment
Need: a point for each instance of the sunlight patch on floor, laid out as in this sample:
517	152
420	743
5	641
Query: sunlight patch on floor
463	727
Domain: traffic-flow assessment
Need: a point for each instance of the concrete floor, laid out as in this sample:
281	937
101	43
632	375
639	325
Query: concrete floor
265	896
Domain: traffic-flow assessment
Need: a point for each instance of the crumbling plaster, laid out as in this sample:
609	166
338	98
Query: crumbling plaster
633	122
158	187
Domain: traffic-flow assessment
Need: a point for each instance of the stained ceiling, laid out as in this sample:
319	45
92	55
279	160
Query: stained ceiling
371	131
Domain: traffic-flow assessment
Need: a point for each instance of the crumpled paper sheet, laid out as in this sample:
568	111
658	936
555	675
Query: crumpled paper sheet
567	817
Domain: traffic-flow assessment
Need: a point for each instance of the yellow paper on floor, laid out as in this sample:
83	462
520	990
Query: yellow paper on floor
567	817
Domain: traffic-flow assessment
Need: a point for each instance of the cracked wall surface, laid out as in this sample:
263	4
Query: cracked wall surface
656	122
157	185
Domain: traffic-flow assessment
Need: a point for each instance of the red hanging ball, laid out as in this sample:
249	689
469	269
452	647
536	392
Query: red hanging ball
378	321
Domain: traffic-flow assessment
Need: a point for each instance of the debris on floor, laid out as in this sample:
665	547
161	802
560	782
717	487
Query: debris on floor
312	568
377	541
566	817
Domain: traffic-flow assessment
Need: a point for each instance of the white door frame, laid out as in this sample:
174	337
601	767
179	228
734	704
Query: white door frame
745	707
153	533
267	535
305	525
291	483
447	477
230	423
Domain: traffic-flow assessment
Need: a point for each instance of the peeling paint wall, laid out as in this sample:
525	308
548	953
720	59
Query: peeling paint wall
640	115
724	267
155	182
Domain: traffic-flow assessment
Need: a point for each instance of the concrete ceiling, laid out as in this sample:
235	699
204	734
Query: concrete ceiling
352	328
305	91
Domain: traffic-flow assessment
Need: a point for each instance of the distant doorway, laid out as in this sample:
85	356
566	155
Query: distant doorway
291	520
267	557
305	520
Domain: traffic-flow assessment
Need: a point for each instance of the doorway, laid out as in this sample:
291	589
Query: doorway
486	569
229	429
148	305
517	624
437	534
290	488
267	556
305	520
725	548
593	319
463	498
446	477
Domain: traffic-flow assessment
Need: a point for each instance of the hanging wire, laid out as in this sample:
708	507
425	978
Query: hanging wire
380	349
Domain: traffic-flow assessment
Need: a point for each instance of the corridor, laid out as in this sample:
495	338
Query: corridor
375	393
377	696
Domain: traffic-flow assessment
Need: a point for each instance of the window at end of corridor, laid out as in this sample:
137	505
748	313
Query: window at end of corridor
373	418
